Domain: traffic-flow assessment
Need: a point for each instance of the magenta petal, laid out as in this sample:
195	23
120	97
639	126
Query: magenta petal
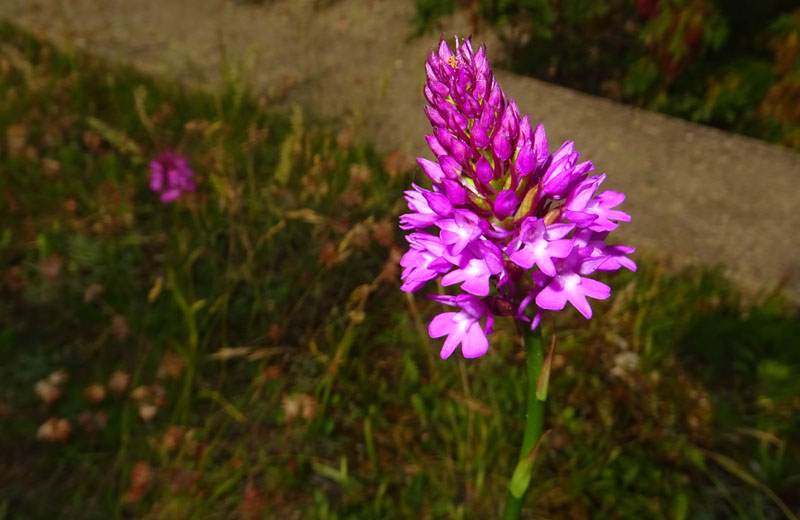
440	204
556	231
450	167
461	151
614	214
583	219
170	195
173	177
450	345
438	87
614	263
595	289
525	131
456	241
474	342
477	285
523	258
480	60
471	305
540	143
552	297
582	194
453	277
157	181
560	248
455	192
444	298
537	318
509	121
475	277
435	117
444	49
578	300
466	49
435	146
458	121
545	263
470	106
431	169
430	96
441	324
590	264
582	168
487	119
610	198
445	138
489	328
496	97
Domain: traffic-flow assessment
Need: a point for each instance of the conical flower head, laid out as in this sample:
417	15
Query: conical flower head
514	226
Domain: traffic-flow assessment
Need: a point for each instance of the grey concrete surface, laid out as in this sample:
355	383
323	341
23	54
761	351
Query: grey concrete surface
695	193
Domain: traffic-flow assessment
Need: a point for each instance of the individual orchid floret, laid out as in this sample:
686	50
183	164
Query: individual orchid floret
563	172
428	207
170	176
463	327
478	264
569	286
425	260
460	231
594	212
615	255
601	206
538	244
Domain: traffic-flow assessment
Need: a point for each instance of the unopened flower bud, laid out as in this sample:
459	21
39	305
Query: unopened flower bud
500	306
455	192
480	138
526	160
484	171
501	145
505	204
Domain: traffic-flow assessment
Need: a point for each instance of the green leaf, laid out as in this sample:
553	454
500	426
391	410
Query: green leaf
521	478
544	375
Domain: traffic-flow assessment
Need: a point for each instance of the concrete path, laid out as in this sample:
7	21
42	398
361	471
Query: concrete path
696	193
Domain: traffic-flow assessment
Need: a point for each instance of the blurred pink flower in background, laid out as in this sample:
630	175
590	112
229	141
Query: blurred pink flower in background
170	176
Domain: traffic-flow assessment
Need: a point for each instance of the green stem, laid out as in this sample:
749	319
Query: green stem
190	354
534	359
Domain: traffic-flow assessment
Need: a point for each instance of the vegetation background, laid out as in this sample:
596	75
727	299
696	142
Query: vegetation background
246	352
733	64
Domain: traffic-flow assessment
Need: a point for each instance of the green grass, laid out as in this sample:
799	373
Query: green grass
261	319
